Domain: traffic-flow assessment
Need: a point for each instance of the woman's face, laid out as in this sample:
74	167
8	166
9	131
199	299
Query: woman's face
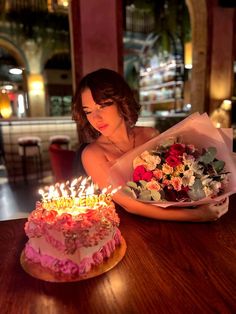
104	117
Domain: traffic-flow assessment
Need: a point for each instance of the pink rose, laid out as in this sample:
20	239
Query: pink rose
158	174
177	183
166	182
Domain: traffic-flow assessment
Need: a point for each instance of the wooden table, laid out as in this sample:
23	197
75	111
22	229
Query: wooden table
168	268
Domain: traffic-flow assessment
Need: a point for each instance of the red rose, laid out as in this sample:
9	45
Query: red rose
185	188
173	161
138	173
177	149
147	176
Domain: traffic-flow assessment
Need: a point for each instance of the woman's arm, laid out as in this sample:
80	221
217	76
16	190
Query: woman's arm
98	168
199	214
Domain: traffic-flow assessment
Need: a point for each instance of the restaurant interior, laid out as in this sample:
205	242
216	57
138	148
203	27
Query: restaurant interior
179	58
174	55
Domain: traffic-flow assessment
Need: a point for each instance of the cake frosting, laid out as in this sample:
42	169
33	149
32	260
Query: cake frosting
70	236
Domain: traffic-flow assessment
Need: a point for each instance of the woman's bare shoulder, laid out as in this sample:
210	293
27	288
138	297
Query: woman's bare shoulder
95	163
92	150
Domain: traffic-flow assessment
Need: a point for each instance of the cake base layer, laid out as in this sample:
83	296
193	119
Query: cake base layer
38	271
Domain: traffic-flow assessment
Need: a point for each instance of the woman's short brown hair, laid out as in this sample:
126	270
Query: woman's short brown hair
104	84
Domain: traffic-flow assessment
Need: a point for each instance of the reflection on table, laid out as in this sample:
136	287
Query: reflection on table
168	268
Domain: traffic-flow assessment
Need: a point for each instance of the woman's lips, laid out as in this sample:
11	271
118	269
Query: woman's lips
102	127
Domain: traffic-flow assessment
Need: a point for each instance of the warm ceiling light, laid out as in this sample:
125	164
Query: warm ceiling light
63	3
188	55
226	104
5	106
188	66
8	87
15	71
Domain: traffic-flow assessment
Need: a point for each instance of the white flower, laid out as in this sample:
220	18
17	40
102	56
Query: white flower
208	191
188	181
167	169
206	180
224	179
138	162
168	142
196	168
150	166
216	185
188	159
147	160
188	178
188	173
145	155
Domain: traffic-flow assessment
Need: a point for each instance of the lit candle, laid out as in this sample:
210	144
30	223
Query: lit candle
76	196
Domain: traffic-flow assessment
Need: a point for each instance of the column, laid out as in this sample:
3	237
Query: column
96	36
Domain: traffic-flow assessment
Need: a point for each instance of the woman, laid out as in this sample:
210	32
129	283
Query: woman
106	112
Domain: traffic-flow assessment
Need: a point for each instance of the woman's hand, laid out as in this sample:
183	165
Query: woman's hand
212	212
203	213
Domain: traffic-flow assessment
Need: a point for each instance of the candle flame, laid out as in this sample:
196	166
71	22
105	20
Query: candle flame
104	190
76	196
116	190
73	183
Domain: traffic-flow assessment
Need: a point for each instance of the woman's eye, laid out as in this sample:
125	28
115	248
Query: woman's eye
87	112
106	103
100	106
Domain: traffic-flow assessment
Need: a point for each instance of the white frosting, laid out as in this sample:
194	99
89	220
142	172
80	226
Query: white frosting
44	247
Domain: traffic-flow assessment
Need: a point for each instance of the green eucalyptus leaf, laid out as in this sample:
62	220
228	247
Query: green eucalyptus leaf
209	155
129	191
218	165
145	195
196	192
167	143
143	183
132	185
156	196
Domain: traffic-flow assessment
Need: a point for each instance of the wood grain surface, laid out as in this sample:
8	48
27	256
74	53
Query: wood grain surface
168	268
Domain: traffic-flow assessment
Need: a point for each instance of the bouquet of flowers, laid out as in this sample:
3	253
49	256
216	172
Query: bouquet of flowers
189	164
175	171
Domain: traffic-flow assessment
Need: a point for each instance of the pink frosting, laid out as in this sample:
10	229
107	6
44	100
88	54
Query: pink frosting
68	267
98	258
117	237
55	243
41	217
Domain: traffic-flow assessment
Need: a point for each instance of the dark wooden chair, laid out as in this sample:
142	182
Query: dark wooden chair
62	163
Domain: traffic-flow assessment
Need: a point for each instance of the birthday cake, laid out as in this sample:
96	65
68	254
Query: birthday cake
69	234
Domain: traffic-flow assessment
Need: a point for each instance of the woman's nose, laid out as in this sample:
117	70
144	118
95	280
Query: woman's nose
96	113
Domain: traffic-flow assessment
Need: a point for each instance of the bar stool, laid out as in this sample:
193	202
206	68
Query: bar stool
62	140
30	147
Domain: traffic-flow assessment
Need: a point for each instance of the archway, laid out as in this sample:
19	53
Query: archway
12	83
58	84
15	52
